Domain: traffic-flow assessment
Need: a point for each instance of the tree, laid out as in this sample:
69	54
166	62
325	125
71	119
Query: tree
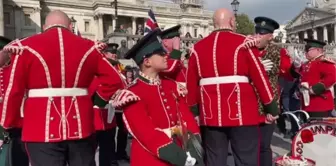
245	25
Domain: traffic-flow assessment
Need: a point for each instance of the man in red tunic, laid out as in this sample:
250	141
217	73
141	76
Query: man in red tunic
171	41
220	72
318	76
56	67
17	156
105	119
163	128
277	63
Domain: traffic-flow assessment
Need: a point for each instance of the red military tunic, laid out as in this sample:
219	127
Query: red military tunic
320	75
101	115
176	69
149	118
56	67
219	69
286	65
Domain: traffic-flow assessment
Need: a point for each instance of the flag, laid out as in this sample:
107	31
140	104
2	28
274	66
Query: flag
151	23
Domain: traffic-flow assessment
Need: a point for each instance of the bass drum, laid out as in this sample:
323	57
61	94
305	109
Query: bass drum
316	141
294	161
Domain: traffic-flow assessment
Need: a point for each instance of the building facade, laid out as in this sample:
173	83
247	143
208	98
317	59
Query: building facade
97	18
316	21
281	33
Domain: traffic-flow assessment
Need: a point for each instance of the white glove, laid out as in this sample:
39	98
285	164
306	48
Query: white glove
333	113
190	160
268	64
297	59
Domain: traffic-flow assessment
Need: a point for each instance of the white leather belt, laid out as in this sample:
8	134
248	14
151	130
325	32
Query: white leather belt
305	93
223	80
57	92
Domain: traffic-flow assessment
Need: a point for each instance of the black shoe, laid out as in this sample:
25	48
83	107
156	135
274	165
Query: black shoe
124	158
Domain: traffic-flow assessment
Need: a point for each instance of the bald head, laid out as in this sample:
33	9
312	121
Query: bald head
57	17
224	19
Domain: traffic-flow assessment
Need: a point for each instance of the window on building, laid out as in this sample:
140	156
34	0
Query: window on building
27	20
87	26
195	32
7	18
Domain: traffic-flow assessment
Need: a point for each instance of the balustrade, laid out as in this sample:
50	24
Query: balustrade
189	42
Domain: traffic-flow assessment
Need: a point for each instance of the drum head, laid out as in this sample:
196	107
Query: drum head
316	141
293	161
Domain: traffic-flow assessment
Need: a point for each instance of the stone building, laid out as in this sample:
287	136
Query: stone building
97	18
317	20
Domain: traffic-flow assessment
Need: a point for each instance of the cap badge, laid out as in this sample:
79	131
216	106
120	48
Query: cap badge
263	23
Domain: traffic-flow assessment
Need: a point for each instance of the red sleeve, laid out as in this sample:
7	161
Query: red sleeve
261	81
328	72
285	65
193	84
174	64
150	137
93	86
110	80
15	91
188	117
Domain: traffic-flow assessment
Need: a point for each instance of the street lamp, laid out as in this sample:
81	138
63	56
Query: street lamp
115	5
235	6
73	22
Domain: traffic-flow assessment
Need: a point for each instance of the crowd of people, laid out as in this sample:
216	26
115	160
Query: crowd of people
64	97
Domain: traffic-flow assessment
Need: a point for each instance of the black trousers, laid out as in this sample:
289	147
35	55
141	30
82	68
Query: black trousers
266	155
244	143
122	136
106	143
66	153
18	153
323	114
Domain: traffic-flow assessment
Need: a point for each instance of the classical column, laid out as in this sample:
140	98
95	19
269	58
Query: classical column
191	30
144	23
315	33
100	26
335	33
305	35
184	29
325	33
2	25
18	23
203	30
37	19
114	26
134	25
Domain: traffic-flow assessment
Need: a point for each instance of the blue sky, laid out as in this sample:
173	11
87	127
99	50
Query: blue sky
280	10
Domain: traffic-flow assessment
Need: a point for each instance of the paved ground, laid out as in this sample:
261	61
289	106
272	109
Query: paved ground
280	146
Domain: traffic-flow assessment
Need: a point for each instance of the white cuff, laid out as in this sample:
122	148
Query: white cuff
190	160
